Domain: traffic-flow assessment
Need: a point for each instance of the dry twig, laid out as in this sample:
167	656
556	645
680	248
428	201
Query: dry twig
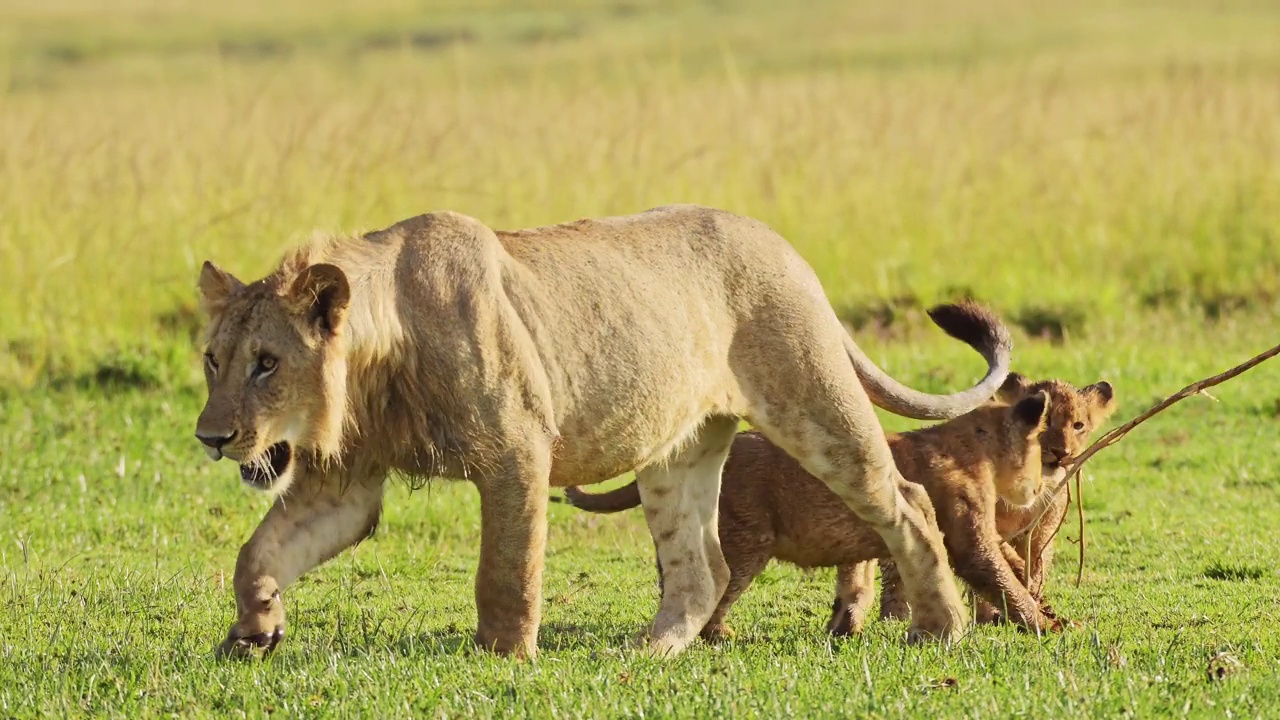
1073	470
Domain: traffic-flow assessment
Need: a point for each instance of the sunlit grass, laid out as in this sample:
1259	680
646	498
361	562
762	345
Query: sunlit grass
1106	175
1103	160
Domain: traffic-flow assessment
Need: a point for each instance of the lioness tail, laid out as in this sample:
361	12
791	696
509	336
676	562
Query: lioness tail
967	322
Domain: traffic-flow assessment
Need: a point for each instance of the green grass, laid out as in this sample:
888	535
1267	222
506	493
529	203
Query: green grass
1105	174
117	535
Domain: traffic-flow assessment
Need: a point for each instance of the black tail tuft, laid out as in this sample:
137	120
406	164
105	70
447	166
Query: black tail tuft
973	325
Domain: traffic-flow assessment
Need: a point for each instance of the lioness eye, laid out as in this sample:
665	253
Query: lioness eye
1078	426
211	362
266	364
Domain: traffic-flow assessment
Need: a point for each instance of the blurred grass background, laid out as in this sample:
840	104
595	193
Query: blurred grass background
1087	169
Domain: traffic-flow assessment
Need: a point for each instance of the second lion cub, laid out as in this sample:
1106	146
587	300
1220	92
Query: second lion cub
1073	416
771	508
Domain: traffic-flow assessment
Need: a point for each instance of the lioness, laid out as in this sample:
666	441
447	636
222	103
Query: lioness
545	357
1027	531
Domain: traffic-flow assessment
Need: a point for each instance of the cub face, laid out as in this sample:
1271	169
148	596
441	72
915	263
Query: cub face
1073	416
1021	481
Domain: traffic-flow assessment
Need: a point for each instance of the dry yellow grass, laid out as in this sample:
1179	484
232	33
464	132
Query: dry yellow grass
1132	152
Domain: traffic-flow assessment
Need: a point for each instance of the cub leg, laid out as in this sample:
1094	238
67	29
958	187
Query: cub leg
983	611
981	562
1038	545
319	517
855	588
744	566
681	499
893	600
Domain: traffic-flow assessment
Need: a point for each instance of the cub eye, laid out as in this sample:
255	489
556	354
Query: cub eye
1078	426
210	362
266	365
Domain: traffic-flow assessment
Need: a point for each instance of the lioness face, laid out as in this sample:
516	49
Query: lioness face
1020	486
275	370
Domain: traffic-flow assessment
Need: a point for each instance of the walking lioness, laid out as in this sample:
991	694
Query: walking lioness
561	355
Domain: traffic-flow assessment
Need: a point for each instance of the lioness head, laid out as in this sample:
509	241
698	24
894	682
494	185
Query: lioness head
275	367
1073	416
1020	482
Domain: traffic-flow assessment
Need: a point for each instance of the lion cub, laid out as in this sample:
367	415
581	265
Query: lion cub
1073	416
771	508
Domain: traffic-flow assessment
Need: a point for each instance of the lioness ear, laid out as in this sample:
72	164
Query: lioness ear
1032	409
1101	398
322	295
1014	387
216	288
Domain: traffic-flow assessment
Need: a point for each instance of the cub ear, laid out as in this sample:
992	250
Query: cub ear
321	294
1014	387
1032	410
1101	399
216	288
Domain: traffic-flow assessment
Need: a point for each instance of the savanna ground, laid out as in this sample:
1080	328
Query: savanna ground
1105	174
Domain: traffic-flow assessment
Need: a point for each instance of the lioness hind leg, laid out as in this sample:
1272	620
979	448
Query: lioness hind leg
855	587
680	500
841	443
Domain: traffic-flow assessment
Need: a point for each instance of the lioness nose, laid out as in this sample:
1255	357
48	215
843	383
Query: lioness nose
215	441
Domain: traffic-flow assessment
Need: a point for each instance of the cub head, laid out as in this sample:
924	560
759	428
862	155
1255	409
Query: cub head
1073	417
275	367
1019	480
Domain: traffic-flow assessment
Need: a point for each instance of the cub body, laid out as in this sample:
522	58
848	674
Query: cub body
958	473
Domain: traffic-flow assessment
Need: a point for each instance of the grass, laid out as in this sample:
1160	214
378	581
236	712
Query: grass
119	537
1106	175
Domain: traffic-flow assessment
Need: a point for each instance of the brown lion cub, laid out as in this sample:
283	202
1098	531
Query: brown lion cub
771	508
1073	416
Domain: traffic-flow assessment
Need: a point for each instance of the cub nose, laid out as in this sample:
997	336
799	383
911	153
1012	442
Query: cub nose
215	441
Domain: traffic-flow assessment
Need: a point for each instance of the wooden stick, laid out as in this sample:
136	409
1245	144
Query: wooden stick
1111	438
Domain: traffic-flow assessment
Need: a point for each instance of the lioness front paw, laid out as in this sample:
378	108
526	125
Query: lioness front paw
944	626
514	645
260	627
243	645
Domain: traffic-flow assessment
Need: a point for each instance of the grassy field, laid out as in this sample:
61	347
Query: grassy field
1105	174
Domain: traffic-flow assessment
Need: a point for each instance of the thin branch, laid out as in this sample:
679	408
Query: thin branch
1111	438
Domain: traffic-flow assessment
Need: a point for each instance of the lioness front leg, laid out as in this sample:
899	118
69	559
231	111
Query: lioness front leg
681	501
513	539
319	517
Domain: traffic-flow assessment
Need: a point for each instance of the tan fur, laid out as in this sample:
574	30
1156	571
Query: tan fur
1073	416
771	508
565	354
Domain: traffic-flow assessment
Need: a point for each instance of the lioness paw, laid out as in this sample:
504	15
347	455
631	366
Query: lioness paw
242	645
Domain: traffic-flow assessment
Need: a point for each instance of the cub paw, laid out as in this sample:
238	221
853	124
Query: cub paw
719	633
